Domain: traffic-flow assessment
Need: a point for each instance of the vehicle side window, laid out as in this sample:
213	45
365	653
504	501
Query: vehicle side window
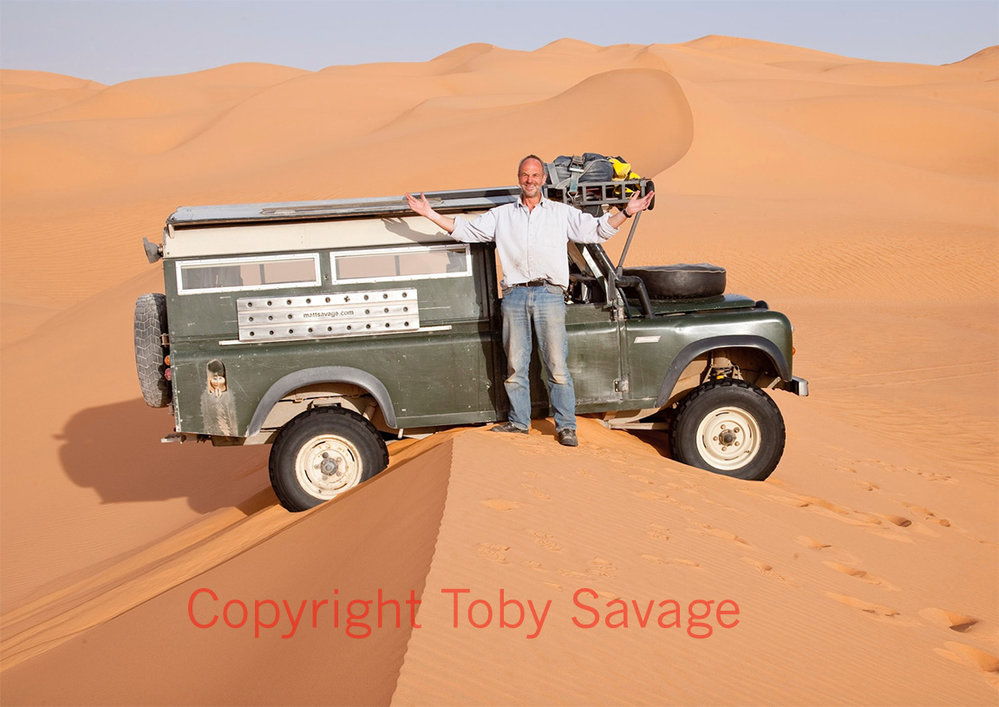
251	273
386	264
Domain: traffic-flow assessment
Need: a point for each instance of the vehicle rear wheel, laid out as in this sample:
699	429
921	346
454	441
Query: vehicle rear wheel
150	326
729	427
321	454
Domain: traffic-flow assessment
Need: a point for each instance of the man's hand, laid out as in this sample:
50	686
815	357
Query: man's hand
635	205
638	203
421	207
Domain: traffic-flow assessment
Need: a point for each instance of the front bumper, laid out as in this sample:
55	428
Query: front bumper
798	386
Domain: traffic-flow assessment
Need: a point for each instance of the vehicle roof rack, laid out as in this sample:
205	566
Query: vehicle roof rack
452	201
611	193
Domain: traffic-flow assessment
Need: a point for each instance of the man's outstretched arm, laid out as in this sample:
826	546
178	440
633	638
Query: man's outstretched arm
422	207
635	204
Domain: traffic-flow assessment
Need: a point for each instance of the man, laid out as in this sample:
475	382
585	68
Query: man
531	236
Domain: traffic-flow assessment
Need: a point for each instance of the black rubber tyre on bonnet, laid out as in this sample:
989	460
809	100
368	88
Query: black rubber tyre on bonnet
729	427
150	326
681	281
321	454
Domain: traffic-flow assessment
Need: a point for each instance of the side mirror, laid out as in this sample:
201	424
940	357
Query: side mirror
153	251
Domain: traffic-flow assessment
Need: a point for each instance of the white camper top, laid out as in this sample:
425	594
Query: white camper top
199	231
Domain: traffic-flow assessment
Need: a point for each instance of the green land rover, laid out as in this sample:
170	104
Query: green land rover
326	328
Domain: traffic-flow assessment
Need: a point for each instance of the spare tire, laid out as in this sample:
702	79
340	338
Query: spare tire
150	326
681	281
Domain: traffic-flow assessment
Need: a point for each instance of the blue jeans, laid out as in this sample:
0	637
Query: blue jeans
542	308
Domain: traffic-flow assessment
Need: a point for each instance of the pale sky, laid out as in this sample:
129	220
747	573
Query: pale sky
117	40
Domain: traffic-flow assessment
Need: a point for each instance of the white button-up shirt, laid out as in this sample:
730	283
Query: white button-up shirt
531	243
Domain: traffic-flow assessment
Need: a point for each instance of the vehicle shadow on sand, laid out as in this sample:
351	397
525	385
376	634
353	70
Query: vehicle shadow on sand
116	450
658	441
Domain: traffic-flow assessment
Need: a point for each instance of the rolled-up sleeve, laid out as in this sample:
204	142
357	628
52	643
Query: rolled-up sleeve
481	229
585	228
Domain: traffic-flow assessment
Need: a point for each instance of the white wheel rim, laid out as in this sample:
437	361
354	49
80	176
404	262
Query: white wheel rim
728	438
328	465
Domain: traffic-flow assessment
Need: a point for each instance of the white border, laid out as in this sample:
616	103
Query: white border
399	332
396	251
181	264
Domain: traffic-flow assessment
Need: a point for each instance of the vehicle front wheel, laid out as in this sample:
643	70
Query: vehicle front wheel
729	427
322	453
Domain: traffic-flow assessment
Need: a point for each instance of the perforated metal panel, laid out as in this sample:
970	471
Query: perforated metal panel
327	315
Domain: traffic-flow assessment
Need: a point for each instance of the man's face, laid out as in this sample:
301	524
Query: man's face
530	178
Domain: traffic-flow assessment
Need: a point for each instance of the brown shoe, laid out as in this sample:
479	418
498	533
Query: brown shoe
509	427
567	437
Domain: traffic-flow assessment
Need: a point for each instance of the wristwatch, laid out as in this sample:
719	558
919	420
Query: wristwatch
625	212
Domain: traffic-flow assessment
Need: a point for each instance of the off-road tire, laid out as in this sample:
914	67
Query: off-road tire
729	427
150	326
354	452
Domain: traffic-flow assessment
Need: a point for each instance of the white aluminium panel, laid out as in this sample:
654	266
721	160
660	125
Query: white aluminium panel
299	235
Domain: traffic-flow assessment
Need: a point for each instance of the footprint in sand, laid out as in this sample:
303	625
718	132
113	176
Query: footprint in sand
671	561
706	529
949	619
973	657
598	567
862	575
865	606
545	540
499	504
826	548
939	478
657	532
766	570
895	520
493	551
877	611
538	493
811	543
650	495
878	523
928	515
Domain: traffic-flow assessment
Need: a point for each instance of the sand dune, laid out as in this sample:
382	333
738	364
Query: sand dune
27	94
639	528
858	197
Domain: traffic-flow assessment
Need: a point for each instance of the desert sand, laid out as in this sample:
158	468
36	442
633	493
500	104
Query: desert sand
861	198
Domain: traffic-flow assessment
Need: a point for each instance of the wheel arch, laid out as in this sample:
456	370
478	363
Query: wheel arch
757	347
322	375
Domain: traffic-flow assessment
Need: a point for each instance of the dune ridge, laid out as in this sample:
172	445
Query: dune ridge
642	529
857	197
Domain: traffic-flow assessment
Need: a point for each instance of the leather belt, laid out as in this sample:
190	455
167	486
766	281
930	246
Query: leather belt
532	283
